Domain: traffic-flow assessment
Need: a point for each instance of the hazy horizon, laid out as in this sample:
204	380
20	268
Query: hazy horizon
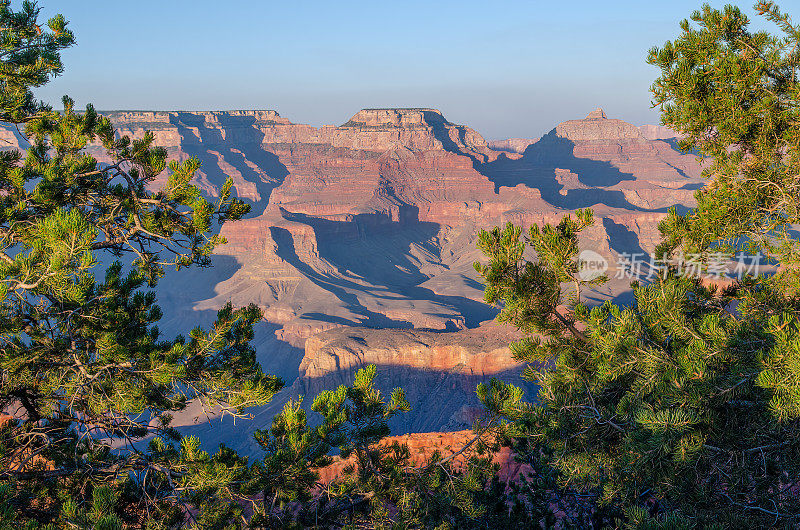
514	70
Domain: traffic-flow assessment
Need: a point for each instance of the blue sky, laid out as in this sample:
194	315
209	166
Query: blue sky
506	68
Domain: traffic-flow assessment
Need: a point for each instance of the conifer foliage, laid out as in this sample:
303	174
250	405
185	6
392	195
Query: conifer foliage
380	486
682	410
86	376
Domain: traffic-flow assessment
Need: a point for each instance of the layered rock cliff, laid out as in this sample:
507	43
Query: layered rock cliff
373	223
438	371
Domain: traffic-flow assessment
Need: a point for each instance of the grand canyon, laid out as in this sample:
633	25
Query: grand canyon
361	241
436	266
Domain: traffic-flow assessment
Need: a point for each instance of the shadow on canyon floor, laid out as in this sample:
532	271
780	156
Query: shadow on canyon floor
373	249
675	144
620	239
190	287
537	169
339	287
241	148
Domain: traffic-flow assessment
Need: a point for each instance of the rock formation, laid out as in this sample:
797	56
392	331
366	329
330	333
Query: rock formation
422	446
372	224
657	132
512	145
437	370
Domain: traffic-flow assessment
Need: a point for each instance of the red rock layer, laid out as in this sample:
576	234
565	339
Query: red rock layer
422	446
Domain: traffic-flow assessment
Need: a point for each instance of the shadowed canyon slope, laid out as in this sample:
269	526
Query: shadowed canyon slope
438	372
373	223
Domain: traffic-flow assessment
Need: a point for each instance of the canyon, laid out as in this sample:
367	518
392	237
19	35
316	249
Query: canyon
360	243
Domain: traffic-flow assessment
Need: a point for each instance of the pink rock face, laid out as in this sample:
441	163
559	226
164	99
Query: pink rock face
596	114
437	371
658	132
596	127
374	223
512	145
481	351
422	446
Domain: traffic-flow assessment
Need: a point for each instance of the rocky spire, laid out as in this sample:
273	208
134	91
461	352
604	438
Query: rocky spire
596	114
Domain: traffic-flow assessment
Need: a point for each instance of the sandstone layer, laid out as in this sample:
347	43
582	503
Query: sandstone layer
373	224
438	371
422	446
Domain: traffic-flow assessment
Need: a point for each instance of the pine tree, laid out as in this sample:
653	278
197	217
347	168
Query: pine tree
381	487
683	409
88	384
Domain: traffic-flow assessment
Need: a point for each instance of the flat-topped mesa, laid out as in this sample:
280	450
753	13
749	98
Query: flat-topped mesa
421	129
376	130
512	145
180	128
387	117
260	116
596	126
122	118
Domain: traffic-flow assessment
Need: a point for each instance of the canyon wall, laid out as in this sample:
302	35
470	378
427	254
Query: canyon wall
438	372
361	240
